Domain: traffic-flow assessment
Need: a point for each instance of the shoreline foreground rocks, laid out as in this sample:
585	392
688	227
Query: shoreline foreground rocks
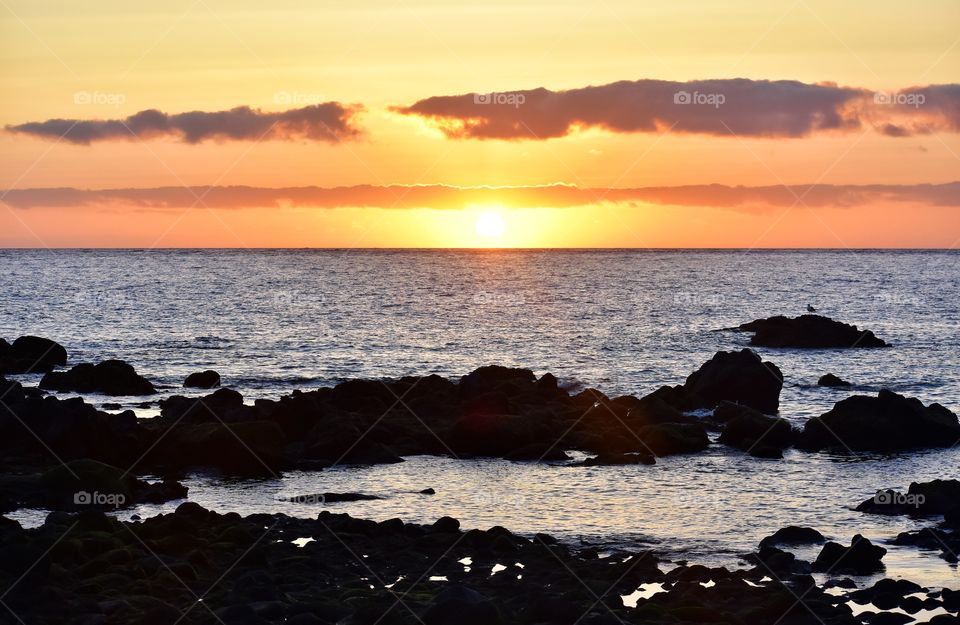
272	569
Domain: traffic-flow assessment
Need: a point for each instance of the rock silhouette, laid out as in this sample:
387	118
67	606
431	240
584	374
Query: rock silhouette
31	354
808	331
110	377
887	422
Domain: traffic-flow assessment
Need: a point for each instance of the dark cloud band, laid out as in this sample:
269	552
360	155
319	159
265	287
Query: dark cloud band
331	122
723	107
449	197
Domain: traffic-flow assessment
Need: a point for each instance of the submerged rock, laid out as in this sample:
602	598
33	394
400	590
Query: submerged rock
202	379
110	377
832	381
808	331
887	422
31	354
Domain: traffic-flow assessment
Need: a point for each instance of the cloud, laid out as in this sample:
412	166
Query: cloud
451	197
331	122
721	107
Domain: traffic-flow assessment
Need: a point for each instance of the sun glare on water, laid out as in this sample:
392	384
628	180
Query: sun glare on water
490	225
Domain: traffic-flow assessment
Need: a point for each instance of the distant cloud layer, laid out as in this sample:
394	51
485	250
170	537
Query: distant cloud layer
449	197
331	122
723	107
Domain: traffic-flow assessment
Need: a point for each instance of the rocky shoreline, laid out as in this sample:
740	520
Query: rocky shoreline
197	566
61	454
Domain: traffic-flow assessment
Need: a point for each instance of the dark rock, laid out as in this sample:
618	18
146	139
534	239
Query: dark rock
749	429
889	618
88	484
740	377
887	422
767	452
110	377
249	448
808	331
832	380
493	378
894	588
202	379
674	438
461	605
31	354
861	558
223	405
922	499
322	498
446	525
794	535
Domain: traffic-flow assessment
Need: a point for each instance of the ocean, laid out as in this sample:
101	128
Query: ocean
624	322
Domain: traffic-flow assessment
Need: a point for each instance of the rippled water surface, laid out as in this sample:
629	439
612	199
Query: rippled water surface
624	322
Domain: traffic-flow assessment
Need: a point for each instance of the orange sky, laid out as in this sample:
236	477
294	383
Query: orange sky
108	60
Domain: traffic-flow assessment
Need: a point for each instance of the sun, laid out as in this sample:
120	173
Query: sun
490	225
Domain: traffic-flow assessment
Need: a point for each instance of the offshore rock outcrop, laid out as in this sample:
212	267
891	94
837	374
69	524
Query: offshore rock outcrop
808	331
887	422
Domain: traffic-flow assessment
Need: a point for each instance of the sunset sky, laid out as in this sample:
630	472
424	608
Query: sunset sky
419	123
